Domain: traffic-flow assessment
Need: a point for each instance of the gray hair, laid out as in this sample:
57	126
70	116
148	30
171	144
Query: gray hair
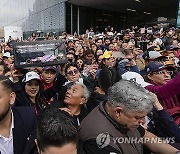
85	89
130	96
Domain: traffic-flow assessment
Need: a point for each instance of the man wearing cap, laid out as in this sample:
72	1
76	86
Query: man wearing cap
155	56
107	59
171	55
48	76
167	89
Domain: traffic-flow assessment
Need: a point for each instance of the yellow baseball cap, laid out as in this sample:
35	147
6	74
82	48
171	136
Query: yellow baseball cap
107	54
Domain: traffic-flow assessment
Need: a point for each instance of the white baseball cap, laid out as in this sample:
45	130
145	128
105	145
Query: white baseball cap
110	33
135	77
7	54
30	76
154	55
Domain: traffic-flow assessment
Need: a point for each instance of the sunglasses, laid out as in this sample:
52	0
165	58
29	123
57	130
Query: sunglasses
73	72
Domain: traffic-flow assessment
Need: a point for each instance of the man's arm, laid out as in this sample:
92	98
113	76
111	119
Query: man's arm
165	122
160	148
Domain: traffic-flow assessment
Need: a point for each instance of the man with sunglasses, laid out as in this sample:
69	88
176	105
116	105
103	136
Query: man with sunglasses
63	82
167	89
72	75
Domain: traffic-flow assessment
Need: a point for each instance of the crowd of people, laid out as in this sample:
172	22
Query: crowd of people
115	84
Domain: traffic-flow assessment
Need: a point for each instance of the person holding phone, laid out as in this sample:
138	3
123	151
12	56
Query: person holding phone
128	63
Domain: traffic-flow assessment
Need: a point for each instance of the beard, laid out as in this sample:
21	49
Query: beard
4	114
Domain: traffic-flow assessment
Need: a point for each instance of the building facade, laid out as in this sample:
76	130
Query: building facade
77	15
47	16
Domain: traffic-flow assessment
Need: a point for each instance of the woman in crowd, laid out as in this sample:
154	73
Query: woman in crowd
80	63
93	47
30	93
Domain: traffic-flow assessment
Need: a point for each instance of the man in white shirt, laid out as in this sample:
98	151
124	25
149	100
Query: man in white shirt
16	124
7	143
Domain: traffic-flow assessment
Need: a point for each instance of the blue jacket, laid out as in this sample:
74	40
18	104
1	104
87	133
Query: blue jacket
165	125
123	69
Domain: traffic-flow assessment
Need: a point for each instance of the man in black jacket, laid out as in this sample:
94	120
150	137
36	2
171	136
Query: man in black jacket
16	124
74	102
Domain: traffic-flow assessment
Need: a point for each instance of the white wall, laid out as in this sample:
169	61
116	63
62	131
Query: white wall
14	32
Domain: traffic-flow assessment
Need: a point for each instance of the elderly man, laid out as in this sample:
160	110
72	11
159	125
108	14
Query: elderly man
75	98
120	118
73	103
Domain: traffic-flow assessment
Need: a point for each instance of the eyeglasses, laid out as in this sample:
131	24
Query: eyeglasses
73	72
164	72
